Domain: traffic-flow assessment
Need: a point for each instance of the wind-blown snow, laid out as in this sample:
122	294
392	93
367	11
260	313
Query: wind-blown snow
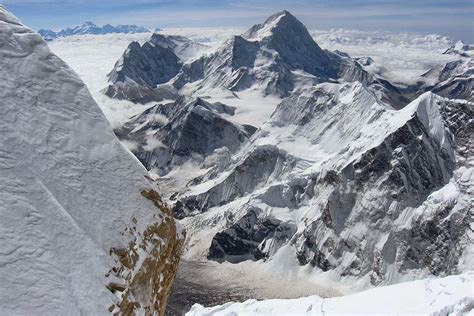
68	188
453	295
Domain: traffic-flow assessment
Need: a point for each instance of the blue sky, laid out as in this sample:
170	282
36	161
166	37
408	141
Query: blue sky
454	18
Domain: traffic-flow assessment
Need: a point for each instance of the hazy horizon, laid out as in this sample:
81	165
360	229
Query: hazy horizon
448	18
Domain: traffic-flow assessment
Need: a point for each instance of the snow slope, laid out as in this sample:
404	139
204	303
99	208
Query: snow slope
81	226
453	295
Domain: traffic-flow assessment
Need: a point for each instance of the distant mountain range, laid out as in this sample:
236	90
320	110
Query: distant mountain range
91	28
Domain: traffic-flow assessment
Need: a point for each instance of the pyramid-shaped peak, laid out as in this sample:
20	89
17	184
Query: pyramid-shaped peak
282	20
285	34
279	16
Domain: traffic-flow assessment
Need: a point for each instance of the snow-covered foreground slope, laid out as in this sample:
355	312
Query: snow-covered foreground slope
82	230
453	295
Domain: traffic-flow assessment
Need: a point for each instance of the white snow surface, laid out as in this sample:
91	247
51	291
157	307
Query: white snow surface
453	295
68	188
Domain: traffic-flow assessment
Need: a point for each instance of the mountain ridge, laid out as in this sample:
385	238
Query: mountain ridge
83	230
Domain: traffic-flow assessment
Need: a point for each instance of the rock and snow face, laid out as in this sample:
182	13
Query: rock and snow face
445	296
142	67
274	58
91	28
83	231
344	179
462	49
346	185
453	80
169	134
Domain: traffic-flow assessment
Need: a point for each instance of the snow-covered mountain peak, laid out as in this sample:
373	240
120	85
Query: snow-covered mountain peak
89	24
283	19
274	58
289	37
462	49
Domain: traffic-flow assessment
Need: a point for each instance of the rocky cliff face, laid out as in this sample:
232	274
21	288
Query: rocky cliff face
453	80
83	230
142	68
277	57
169	134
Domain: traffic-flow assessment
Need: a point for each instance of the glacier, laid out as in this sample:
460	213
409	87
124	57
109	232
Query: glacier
410	298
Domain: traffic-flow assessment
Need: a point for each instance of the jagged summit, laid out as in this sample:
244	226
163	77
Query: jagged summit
283	19
142	67
284	33
275	58
460	48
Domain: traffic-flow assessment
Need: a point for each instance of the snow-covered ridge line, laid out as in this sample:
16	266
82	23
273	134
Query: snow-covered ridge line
313	174
452	295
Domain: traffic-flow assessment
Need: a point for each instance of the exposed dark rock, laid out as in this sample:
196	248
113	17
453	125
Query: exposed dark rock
452	80
171	133
247	238
258	166
140	70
